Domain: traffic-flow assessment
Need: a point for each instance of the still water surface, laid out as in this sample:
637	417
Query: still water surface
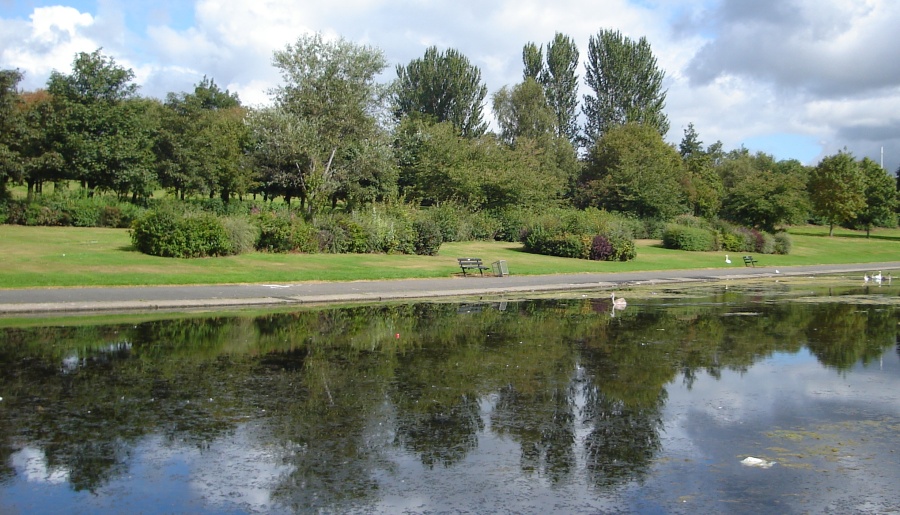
531	406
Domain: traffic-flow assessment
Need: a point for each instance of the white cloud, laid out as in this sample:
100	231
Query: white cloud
48	42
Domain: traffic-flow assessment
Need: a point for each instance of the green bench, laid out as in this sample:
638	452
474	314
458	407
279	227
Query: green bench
749	261
467	264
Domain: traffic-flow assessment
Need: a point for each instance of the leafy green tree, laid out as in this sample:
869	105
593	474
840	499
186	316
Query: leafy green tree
199	142
105	144
331	89
626	84
445	87
37	142
703	185
286	152
881	198
837	189
523	112
763	193
561	84
437	166
633	170
9	98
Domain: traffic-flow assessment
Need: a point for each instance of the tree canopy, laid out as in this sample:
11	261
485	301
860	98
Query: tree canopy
445	87
837	189
631	169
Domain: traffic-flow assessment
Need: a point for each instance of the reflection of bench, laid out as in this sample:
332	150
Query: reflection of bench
472	264
749	261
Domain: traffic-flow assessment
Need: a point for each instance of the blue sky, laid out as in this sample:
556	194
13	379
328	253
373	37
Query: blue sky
799	79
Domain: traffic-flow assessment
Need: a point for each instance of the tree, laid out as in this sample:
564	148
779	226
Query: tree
331	90
881	198
37	142
10	168
200	141
523	112
533	62
100	120
837	189
445	87
626	85
286	152
763	193
632	169
561	84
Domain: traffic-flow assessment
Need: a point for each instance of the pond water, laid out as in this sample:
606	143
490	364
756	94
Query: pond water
777	397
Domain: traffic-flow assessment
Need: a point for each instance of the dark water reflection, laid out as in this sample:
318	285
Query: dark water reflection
536	406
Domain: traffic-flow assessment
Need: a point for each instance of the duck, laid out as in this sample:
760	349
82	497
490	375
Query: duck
618	303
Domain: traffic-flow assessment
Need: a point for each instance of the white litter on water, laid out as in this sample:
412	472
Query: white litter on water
750	461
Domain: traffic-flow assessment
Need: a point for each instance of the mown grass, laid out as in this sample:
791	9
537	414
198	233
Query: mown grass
69	256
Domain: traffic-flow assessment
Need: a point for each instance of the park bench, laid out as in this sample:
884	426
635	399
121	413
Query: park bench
472	264
749	261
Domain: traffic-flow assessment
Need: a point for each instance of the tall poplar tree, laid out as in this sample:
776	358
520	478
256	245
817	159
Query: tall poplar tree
532	62
626	84
561	85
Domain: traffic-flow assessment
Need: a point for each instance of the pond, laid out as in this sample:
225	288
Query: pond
740	398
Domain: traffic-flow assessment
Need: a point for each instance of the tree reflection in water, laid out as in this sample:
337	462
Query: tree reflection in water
340	391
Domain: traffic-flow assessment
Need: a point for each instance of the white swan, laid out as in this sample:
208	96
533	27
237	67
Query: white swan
618	303
877	277
865	278
727	260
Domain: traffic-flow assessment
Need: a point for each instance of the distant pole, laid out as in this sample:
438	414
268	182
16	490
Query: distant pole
882	158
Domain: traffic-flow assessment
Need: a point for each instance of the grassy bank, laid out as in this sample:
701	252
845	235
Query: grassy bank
67	256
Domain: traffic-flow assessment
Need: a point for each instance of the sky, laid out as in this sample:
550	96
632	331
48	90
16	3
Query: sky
798	79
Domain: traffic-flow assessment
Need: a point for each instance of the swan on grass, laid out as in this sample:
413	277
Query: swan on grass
727	260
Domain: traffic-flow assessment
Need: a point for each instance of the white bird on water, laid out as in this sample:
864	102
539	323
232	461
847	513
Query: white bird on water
618	303
877	277
727	260
865	278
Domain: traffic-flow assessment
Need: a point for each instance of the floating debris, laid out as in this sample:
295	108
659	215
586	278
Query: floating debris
750	461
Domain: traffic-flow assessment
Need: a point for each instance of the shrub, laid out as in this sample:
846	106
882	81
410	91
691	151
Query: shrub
624	249
687	238
332	236
204	236
783	243
428	237
304	237
765	243
274	233
158	233
242	235
601	248
168	234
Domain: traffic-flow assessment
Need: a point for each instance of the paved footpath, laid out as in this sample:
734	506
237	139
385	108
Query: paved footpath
74	300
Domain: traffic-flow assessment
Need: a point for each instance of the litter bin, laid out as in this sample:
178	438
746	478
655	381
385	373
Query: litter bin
500	268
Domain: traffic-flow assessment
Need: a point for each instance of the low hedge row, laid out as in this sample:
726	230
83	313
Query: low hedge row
588	234
165	232
690	235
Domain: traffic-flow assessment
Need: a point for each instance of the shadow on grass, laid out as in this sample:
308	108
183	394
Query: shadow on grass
882	237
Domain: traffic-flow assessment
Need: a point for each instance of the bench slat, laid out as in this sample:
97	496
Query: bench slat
472	264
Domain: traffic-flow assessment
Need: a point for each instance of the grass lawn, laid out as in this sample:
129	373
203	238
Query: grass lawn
71	256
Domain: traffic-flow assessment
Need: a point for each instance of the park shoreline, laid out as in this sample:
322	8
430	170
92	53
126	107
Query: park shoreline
74	301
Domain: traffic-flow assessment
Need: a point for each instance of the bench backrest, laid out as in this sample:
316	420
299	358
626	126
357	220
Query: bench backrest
469	261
